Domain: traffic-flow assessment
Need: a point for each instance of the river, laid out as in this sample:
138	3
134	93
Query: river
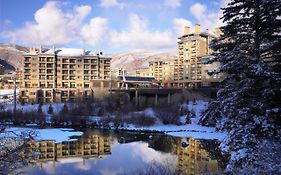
108	153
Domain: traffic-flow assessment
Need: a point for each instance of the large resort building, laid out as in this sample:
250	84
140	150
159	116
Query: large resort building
192	67
193	48
63	74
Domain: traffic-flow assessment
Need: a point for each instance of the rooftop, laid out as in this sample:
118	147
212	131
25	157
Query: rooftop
65	52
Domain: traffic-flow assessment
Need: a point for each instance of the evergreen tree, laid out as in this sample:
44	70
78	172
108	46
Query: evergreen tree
248	105
39	110
64	109
50	109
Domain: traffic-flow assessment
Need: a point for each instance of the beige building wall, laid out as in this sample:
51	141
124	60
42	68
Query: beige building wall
160	70
52	77
191	47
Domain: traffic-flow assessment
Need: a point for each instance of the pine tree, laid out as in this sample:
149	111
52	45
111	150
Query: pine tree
248	105
50	109
64	109
39	110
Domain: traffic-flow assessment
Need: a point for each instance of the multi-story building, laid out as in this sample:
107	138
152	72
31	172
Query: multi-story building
144	72
162	71
7	80
62	74
192	47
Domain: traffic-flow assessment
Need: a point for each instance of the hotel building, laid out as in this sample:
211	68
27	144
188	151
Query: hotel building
192	48
62	74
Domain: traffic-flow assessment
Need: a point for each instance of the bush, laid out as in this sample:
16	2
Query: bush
141	119
64	109
168	115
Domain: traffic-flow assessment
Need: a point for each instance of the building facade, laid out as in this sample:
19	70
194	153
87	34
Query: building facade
192	67
62	74
192	47
162	71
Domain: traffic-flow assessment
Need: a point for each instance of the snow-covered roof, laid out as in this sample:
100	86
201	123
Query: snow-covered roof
66	52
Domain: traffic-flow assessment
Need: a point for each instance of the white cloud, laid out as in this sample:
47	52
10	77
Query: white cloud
51	26
208	20
83	11
112	3
139	37
198	10
173	3
92	33
179	24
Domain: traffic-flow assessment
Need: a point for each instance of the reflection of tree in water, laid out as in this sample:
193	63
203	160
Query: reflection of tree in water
212	147
164	143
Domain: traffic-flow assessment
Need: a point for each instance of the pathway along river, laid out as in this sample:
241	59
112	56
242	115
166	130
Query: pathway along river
109	153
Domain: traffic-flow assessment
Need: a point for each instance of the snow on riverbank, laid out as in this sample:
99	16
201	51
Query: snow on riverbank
189	130
7	92
193	130
56	134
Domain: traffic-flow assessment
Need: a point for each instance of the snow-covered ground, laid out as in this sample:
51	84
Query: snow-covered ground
190	130
56	134
197	107
193	130
6	92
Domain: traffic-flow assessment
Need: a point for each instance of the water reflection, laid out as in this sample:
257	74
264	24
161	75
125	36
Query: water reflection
192	155
194	159
122	153
87	146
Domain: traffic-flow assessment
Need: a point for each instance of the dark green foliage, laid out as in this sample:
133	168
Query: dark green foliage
64	109
39	110
50	109
187	119
248	105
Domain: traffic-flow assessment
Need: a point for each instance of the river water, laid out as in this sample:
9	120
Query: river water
108	153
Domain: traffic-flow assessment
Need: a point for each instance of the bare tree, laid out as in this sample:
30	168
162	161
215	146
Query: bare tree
15	149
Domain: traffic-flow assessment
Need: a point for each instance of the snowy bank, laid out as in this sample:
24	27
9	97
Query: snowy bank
190	130
56	134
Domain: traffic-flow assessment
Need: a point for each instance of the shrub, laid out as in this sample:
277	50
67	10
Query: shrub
168	115
141	119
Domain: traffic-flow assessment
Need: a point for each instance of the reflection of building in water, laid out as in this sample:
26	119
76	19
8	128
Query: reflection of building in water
194	159
84	147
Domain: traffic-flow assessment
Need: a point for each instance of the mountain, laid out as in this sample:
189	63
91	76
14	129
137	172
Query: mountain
134	60
11	56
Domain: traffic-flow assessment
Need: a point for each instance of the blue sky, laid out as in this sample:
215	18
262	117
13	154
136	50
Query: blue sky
105	25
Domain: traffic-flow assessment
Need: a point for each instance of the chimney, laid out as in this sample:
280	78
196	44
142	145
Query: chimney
53	49
31	49
186	30
217	31
40	49
84	51
197	29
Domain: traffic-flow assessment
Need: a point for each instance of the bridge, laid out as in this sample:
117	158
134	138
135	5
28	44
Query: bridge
138	93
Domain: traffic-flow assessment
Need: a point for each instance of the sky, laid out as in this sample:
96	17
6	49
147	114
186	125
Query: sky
111	26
